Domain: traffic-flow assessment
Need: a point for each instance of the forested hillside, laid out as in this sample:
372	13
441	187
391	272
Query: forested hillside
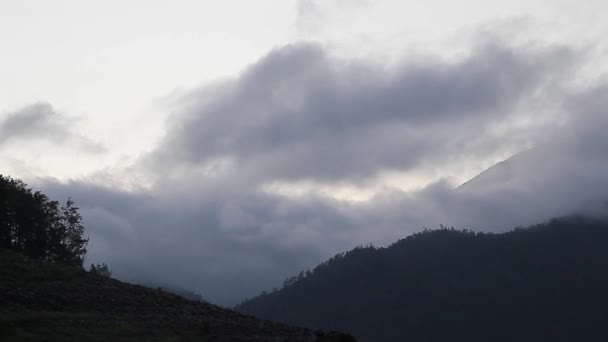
547	282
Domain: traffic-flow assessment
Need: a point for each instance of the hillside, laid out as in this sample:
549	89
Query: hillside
543	283
44	301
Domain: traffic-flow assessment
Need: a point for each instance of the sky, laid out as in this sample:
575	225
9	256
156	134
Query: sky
222	147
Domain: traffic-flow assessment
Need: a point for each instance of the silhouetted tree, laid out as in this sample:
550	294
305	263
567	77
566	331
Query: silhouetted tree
39	227
101	270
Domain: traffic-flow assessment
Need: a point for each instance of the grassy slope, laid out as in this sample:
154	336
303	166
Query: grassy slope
47	302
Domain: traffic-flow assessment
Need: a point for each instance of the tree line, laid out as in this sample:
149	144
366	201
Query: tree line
35	225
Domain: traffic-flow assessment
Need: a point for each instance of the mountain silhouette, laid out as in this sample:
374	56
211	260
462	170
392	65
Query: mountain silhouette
543	283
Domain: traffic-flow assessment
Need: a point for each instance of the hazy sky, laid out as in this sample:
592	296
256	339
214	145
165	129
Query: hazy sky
215	144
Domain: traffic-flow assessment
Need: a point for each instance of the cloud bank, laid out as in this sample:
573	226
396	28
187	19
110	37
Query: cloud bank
298	114
209	223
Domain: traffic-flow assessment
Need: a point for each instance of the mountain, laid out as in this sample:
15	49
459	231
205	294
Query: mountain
543	283
504	172
47	301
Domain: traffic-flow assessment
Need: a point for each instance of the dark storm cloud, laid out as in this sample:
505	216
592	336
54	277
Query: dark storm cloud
297	114
40	122
300	114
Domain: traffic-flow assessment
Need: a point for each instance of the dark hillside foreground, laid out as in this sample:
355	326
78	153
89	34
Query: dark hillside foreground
42	301
544	283
45	294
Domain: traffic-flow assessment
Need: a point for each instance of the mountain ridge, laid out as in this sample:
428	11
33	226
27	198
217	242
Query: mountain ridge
501	173
545	282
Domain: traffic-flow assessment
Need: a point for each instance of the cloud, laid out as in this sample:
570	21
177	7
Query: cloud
298	114
193	239
208	222
41	122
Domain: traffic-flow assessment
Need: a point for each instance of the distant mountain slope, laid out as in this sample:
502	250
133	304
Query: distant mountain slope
545	283
502	173
41	301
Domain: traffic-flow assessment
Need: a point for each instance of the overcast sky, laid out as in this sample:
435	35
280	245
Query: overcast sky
224	146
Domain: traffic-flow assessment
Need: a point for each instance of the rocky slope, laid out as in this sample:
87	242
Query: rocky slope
49	302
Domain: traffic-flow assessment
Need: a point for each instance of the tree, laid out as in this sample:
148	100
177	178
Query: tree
101	270
73	238
39	227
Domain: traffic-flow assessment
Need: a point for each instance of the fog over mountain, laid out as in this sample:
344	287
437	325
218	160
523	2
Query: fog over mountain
213	213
